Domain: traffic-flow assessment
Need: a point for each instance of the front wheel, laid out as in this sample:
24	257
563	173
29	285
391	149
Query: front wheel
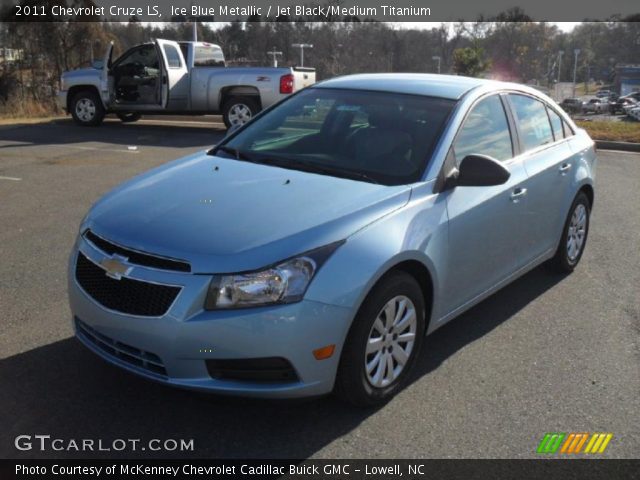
574	236
87	109
383	342
238	111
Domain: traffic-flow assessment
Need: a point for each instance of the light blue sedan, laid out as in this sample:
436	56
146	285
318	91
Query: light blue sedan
313	249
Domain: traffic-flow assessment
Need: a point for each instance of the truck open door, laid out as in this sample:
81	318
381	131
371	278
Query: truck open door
105	91
175	76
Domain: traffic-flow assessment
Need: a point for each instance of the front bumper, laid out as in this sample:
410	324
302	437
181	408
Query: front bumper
186	336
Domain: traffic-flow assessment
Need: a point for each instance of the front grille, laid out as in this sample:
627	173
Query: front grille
131	355
125	295
138	258
272	369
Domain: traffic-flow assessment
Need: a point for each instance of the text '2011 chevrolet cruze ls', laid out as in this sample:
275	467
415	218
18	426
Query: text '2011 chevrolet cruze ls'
314	248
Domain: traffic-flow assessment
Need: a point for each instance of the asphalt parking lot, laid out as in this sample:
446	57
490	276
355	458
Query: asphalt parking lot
548	353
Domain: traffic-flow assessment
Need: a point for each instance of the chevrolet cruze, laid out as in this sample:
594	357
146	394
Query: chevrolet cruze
314	248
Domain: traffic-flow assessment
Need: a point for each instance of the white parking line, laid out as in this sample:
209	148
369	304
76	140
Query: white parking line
183	122
15	179
97	149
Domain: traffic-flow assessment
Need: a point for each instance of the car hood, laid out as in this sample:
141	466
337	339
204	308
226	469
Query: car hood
224	215
81	72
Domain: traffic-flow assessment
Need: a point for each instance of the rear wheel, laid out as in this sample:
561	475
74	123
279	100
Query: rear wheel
239	110
87	109
574	236
129	117
383	342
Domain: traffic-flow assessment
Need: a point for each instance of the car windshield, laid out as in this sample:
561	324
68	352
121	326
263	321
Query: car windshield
376	137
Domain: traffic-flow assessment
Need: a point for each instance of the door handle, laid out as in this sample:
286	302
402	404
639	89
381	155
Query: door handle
564	168
517	194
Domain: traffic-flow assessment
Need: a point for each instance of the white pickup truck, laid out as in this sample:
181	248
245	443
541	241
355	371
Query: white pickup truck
178	78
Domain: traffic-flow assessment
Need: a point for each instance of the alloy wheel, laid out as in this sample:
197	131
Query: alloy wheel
577	232
85	109
239	114
391	341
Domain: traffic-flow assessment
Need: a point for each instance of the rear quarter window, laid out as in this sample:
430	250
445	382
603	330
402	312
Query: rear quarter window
208	56
556	124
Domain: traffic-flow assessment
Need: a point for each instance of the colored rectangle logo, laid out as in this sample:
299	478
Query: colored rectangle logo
574	443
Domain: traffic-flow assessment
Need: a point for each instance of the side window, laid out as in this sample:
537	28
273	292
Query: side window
556	124
208	56
144	56
533	121
485	131
173	56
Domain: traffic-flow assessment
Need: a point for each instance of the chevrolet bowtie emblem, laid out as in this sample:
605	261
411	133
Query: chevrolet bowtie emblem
115	266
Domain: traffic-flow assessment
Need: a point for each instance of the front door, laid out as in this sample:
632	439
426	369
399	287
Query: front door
485	223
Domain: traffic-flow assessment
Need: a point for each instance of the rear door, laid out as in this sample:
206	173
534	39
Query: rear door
547	159
485	223
175	76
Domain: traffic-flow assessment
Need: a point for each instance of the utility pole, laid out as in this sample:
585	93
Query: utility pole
195	30
437	58
302	46
560	53
576	52
274	53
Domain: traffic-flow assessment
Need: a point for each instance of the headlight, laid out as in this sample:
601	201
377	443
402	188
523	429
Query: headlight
286	282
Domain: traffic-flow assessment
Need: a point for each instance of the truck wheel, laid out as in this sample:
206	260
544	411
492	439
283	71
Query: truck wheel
129	117
239	110
87	109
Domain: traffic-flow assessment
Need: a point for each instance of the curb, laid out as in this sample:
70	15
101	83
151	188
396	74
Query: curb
623	146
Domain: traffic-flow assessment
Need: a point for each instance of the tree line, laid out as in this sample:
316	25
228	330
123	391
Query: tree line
509	46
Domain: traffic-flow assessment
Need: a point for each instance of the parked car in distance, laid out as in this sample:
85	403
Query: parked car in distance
313	248
595	105
633	111
604	93
572	105
618	105
187	78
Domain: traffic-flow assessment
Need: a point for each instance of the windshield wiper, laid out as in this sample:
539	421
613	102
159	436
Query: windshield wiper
295	164
338	172
355	176
237	154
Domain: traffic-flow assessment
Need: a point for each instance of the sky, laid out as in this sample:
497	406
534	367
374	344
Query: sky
564	26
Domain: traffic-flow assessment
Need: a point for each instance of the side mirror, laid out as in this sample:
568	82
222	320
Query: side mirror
97	64
480	171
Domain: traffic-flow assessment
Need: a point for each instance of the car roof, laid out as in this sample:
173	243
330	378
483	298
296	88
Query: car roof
431	85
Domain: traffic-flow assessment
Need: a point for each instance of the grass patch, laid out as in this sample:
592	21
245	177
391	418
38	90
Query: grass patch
612	131
15	108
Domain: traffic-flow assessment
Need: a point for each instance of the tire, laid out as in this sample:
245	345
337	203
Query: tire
576	227
87	109
363	387
129	117
239	110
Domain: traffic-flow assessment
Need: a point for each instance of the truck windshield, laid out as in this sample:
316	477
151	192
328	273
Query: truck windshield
377	137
